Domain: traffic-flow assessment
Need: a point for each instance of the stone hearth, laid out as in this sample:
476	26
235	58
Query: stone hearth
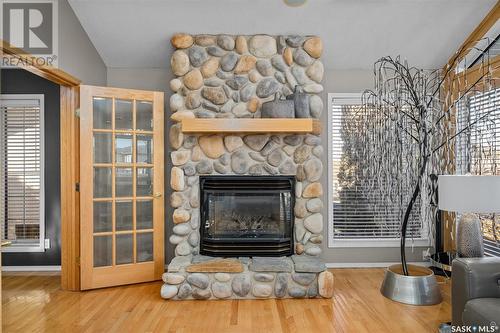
227	76
201	277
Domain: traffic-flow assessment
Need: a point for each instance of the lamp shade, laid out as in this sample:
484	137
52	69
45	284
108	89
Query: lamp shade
469	194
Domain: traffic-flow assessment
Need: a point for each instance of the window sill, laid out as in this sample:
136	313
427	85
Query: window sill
20	248
392	242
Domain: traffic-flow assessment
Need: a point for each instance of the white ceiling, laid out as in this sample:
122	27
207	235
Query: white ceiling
136	33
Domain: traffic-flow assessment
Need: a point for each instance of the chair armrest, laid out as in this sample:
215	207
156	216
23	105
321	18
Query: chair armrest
473	278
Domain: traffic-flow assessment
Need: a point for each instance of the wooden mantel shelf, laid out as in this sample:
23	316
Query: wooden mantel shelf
254	125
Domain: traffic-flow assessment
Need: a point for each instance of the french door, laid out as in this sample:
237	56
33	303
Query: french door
121	186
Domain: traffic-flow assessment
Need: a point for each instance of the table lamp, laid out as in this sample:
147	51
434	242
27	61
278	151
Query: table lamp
468	195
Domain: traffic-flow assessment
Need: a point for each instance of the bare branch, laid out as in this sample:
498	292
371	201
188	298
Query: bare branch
468	127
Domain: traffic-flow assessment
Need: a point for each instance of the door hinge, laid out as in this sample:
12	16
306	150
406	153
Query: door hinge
77	112
78	261
77	187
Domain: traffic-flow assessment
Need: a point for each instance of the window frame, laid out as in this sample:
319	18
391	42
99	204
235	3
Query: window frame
349	99
460	159
19	98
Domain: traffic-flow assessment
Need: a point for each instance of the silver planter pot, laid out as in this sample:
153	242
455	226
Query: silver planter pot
418	288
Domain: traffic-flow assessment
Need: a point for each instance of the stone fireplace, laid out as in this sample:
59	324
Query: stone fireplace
246	216
247	207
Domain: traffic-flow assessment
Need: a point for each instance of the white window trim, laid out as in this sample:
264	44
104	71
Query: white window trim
354	98
19	98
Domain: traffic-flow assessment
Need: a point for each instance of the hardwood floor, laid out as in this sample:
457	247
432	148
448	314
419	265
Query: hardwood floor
35	303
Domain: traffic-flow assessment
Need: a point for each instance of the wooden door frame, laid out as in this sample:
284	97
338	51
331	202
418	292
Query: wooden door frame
70	159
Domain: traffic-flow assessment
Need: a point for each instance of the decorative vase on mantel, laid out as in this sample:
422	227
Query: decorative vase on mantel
301	102
278	108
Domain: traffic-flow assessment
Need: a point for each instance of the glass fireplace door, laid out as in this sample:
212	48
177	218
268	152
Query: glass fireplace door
246	215
250	215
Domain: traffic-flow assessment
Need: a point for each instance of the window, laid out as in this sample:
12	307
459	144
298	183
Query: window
21	172
483	49
354	221
478	151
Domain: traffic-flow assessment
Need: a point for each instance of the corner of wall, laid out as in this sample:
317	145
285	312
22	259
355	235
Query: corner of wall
77	54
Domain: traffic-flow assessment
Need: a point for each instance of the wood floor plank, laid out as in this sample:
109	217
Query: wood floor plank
35	303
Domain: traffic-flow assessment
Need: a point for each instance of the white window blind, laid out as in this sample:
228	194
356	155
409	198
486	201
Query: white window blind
478	151
22	204
354	215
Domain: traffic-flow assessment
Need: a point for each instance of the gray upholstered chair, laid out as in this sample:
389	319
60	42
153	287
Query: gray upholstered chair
475	291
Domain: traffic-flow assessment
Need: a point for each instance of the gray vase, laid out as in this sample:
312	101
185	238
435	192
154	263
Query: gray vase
469	236
301	103
278	108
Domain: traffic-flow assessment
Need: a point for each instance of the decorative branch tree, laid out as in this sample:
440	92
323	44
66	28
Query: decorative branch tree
408	133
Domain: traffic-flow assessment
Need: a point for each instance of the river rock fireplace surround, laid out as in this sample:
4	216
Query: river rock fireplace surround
247	219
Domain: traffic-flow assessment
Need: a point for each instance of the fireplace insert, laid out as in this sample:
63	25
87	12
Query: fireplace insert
246	215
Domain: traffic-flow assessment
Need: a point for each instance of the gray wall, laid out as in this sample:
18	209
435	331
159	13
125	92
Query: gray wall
77	54
346	81
140	78
335	81
19	81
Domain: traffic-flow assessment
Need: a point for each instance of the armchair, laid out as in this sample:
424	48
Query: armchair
475	291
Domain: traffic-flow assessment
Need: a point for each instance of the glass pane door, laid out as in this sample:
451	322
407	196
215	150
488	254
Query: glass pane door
124	179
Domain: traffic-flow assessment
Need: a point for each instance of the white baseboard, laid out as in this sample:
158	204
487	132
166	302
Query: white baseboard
370	264
363	264
328	265
31	268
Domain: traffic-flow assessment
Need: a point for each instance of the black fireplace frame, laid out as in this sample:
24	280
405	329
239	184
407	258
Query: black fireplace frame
276	247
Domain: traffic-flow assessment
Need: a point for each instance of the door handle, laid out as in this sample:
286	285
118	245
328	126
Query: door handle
158	195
